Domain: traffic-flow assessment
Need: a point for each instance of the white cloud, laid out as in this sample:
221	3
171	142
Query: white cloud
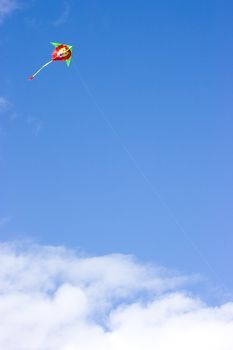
7	7
51	298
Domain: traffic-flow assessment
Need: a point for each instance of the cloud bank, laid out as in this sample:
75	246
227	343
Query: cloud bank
52	298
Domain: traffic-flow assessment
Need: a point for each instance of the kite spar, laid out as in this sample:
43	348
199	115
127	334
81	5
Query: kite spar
61	52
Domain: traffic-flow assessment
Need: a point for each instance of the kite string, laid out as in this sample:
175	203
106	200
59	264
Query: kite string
145	177
38	71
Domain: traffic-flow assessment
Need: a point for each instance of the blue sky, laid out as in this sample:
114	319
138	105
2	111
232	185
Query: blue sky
161	72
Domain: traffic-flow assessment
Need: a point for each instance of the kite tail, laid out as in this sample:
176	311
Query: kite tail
46	64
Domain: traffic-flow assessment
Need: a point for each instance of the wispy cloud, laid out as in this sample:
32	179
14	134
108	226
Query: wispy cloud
35	123
63	17
4	103
7	7
41	24
7	106
4	220
51	298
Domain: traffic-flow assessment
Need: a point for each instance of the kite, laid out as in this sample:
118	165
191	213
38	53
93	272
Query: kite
61	52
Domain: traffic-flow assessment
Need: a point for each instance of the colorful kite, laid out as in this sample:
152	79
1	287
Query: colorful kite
62	52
